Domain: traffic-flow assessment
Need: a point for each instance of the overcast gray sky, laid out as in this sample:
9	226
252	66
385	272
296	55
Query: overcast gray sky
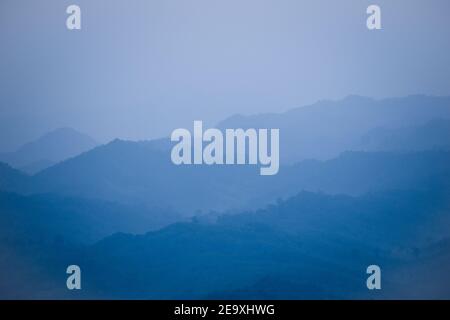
140	68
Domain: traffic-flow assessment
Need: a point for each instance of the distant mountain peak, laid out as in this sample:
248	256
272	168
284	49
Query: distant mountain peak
52	147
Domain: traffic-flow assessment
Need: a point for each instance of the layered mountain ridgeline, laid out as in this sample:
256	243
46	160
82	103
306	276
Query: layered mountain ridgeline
325	129
434	134
49	218
36	231
309	246
356	173
142	172
130	172
51	148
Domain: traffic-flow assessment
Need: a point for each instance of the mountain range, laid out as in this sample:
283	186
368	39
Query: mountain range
327	128
309	246
385	157
363	181
51	148
432	135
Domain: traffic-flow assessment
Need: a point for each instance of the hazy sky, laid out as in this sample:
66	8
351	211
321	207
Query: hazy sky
140	68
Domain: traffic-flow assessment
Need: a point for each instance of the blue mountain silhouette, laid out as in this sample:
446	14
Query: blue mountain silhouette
131	219
325	129
51	148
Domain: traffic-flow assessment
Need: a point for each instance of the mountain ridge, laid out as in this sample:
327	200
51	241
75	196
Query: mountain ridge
50	148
